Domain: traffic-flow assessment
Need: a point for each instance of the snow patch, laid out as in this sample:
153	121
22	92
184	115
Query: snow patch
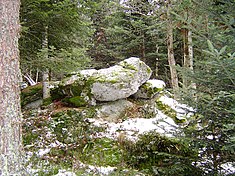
42	152
65	173
228	168
182	110
98	169
135	126
157	83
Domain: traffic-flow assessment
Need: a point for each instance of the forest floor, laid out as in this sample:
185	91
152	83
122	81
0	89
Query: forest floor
67	141
60	140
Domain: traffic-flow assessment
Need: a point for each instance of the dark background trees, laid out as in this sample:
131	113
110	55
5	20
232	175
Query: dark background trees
54	35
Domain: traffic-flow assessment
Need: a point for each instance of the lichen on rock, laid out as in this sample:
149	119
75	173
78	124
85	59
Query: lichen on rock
109	84
150	89
121	80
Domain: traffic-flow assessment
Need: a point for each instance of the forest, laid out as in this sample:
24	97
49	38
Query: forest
117	87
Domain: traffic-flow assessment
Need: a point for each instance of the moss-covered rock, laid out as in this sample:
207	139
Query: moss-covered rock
121	80
31	94
110	84
77	94
78	101
170	112
150	89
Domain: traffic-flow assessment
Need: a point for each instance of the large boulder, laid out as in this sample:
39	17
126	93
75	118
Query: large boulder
120	81
109	84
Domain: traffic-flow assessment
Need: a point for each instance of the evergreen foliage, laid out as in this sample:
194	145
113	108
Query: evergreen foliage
68	35
213	129
159	155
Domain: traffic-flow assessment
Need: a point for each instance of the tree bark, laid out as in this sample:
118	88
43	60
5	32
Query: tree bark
45	84
10	111
45	73
170	48
143	49
157	62
188	56
30	80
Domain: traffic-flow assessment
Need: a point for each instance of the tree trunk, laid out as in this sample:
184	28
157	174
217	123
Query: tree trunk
143	50
188	56
170	48
30	80
190	49
37	74
45	84
45	73
157	62
10	113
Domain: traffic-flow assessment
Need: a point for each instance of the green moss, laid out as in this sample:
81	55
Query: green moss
149	71
147	87
31	94
103	152
103	79
47	101
57	93
77	94
126	65
78	101
167	110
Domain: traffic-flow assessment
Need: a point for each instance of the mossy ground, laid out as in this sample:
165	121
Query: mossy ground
71	139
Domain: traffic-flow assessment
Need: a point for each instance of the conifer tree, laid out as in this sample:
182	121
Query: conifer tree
55	35
212	130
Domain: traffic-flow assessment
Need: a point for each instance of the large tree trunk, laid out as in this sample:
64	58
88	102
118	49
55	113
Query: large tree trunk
45	73
170	48
10	113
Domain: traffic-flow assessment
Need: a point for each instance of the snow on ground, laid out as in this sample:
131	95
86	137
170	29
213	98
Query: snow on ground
132	127
65	173
228	168
42	152
157	83
102	171
96	169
